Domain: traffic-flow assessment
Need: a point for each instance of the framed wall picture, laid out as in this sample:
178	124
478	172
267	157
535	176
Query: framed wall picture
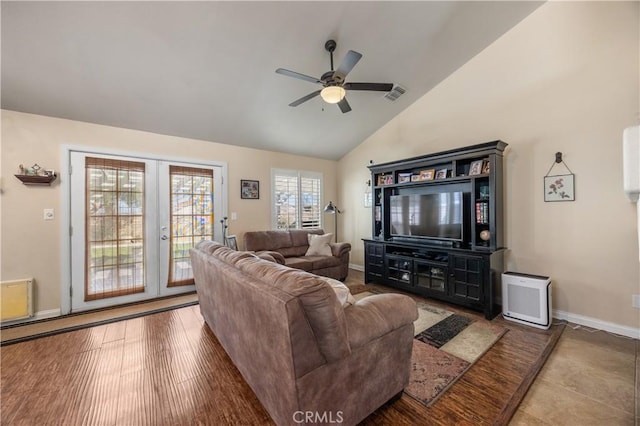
559	188
249	189
231	241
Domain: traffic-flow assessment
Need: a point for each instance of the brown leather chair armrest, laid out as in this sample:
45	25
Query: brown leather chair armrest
376	315
338	249
277	257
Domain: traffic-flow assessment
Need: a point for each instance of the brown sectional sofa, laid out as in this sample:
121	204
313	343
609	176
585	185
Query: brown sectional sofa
296	345
289	248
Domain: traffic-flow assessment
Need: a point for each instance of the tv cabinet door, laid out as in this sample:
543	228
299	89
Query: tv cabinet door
466	278
399	271
373	261
430	277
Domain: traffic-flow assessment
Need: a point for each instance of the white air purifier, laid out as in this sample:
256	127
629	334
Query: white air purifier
526	299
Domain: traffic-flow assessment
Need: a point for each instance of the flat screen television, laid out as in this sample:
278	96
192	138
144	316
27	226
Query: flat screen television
437	216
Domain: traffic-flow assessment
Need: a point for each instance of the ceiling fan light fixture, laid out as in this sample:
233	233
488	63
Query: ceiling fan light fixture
333	94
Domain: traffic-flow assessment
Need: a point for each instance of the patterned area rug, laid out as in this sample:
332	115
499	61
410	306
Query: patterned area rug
445	346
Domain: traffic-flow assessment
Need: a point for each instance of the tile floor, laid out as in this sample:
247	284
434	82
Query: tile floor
590	378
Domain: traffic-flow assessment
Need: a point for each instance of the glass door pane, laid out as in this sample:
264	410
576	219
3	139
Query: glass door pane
114	228
191	217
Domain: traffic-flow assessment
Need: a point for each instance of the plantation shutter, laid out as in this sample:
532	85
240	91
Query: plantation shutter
296	199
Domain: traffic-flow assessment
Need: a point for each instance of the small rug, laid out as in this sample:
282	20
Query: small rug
446	345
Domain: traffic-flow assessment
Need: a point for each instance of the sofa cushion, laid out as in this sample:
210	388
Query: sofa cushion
299	263
299	236
322	262
293	251
267	240
319	245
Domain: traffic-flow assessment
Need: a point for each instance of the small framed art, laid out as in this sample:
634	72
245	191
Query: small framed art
441	174
249	189
404	177
476	168
427	174
559	188
232	242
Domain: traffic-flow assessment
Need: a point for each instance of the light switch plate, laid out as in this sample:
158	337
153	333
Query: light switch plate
48	214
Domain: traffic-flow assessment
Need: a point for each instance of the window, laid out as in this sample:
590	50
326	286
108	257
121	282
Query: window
297	199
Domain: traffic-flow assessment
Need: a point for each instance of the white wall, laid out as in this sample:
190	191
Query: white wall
564	79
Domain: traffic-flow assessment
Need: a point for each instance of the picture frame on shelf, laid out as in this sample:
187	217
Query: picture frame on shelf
476	167
441	174
404	177
415	178
385	180
486	167
427	174
231	241
249	189
378	213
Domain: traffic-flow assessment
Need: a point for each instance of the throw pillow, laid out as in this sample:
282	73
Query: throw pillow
342	291
319	245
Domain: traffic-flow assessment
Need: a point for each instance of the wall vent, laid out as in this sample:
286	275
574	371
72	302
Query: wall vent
395	93
16	301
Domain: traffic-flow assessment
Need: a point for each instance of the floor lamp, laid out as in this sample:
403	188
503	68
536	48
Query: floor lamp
331	209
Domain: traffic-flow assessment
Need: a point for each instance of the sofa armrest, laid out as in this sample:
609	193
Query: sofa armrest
377	315
338	249
277	257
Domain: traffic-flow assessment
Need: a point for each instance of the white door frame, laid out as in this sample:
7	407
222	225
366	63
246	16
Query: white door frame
65	203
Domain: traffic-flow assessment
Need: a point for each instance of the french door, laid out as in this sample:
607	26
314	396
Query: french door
133	221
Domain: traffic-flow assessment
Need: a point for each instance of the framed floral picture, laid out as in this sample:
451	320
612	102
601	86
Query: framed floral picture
559	188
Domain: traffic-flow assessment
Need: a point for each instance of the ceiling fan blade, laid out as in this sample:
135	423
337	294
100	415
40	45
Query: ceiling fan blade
377	87
298	75
349	61
344	105
304	98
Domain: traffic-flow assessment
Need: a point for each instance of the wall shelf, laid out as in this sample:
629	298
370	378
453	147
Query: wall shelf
37	179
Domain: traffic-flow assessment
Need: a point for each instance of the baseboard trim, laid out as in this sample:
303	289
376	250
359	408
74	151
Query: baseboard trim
356	267
40	315
597	323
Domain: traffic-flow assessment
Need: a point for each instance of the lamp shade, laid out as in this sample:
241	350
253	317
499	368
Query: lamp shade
332	94
330	208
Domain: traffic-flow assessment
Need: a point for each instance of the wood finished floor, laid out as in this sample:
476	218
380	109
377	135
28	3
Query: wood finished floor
169	369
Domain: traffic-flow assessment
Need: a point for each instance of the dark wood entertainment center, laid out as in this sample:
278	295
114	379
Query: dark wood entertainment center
463	263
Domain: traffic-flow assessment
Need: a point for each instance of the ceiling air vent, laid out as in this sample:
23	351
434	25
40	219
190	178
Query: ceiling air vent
395	93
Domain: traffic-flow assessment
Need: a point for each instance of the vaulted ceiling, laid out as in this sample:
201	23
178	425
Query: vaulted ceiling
206	70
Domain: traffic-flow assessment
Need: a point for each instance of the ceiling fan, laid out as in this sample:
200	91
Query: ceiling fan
334	86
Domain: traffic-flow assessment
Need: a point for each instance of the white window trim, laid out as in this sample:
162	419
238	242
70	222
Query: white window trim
299	174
